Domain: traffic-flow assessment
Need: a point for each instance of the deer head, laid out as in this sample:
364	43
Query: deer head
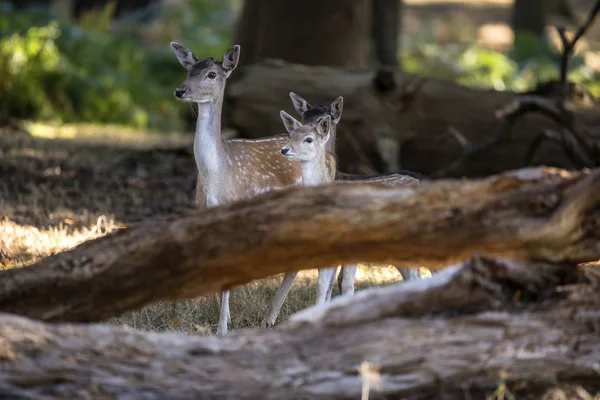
206	78
310	114
307	142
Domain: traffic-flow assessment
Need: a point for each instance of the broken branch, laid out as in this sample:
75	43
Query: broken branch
541	214
478	332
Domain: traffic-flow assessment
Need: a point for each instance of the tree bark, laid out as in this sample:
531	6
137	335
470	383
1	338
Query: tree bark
416	113
386	28
246	32
310	32
489	322
529	16
535	214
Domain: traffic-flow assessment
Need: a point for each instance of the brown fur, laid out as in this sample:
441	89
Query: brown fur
257	166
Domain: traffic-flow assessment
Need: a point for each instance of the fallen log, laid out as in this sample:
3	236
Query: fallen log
461	334
532	214
415	112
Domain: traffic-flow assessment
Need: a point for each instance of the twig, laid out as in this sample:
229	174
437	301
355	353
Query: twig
575	138
564	139
469	150
460	138
568	48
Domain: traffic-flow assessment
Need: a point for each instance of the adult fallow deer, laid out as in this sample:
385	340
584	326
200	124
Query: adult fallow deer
228	170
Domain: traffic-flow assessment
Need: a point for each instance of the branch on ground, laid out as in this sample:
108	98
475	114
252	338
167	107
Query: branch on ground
529	326
531	214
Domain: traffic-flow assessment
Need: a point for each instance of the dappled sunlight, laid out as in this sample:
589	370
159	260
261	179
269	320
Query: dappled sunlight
249	303
22	244
506	3
108	134
495	35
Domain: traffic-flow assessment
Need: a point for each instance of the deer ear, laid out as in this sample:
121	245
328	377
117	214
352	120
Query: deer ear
336	109
231	58
324	126
290	123
184	55
300	104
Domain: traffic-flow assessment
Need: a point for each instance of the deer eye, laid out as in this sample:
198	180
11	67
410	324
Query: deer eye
308	140
212	75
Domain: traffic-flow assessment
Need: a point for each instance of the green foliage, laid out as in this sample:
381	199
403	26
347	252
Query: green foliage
123	72
53	70
528	45
474	65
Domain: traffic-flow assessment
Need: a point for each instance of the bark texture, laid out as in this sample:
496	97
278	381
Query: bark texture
311	32
415	112
458	335
533	214
385	31
530	16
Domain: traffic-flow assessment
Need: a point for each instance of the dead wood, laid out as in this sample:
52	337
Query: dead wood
415	111
535	214
574	137
461	334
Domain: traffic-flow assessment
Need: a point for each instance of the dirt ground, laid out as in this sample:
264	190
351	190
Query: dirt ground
57	193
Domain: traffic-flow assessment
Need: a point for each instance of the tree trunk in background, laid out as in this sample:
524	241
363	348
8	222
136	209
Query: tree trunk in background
564	9
246	34
528	24
310	32
19	4
530	16
122	6
385	30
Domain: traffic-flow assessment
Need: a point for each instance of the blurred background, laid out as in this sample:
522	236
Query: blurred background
64	61
92	138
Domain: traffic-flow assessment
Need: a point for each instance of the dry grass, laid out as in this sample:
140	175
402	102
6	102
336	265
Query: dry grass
21	245
249	304
56	193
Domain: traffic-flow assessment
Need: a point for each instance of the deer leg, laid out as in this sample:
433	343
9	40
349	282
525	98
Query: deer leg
224	315
280	296
409	274
347	283
330	288
323	283
340	279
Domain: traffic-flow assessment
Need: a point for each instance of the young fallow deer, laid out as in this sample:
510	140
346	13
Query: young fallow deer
230	170
310	114
308	146
325	161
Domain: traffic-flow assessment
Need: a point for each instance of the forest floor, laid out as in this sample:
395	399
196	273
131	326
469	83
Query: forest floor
56	193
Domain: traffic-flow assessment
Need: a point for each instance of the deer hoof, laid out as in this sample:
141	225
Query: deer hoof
267	324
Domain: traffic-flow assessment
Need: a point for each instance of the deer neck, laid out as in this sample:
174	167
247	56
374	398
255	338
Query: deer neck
209	151
317	171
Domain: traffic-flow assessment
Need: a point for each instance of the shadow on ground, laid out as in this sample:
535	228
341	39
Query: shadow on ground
47	182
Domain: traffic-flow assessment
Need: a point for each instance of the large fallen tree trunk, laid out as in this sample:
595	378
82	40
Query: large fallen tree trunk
485	324
534	214
413	111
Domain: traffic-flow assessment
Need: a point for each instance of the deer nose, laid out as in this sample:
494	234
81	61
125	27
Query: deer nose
180	91
285	150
